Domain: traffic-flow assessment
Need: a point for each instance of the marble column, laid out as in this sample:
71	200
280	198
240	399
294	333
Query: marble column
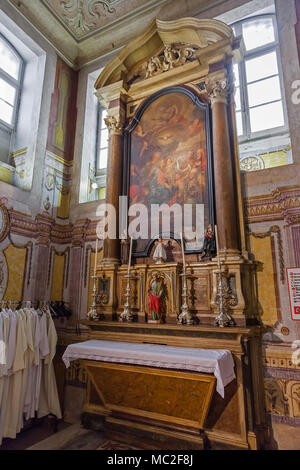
219	88
114	122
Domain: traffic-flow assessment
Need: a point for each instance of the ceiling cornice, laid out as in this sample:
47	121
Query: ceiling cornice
79	53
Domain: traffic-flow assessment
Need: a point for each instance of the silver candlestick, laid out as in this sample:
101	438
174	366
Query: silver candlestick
223	319
92	314
185	317
126	315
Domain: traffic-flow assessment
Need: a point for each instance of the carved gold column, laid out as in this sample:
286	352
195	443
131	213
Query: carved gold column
219	87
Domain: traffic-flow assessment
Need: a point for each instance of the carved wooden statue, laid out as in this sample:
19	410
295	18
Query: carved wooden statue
157	294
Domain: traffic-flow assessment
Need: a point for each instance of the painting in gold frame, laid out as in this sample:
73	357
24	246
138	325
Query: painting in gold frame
169	161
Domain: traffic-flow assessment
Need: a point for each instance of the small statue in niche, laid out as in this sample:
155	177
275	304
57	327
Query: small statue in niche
209	245
103	290
156	299
160	254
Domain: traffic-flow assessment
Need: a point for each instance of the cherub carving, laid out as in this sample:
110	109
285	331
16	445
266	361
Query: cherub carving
169	58
184	54
153	66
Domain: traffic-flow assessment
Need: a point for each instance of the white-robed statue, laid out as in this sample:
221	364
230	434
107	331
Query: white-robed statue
160	254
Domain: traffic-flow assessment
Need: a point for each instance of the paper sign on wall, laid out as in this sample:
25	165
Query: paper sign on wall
293	276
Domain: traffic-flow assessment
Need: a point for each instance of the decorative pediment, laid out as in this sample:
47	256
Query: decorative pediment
166	45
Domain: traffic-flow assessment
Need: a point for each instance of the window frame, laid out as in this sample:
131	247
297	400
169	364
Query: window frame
257	52
99	174
99	171
16	83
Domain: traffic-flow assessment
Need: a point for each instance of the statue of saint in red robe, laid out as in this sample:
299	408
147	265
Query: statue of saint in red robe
155	305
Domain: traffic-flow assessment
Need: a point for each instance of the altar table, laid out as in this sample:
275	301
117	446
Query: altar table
210	361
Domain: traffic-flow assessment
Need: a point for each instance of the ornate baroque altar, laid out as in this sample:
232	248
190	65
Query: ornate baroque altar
172	139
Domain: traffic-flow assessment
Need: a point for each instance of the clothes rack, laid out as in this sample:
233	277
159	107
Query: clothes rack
28	388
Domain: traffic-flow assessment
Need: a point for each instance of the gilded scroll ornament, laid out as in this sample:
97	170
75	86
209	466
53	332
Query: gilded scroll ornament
173	55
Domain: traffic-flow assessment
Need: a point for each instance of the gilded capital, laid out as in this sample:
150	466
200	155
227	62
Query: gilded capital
114	125
218	89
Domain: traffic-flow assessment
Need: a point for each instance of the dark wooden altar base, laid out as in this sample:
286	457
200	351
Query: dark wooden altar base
238	421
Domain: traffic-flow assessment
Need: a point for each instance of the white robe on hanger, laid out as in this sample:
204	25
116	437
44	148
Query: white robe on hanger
15	381
49	401
11	349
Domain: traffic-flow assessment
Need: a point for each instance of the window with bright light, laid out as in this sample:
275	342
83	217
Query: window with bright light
10	82
260	107
102	144
97	172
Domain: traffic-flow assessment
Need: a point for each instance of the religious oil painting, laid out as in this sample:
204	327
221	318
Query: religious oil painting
168	161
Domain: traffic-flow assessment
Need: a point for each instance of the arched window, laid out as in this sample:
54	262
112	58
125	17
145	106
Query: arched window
260	106
11	67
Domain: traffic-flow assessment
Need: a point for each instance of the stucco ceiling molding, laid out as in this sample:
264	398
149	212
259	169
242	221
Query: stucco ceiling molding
85	18
80	17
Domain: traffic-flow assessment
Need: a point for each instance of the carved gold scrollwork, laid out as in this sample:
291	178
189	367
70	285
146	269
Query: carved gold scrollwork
173	55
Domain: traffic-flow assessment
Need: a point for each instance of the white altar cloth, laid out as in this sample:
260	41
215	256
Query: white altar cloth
211	361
